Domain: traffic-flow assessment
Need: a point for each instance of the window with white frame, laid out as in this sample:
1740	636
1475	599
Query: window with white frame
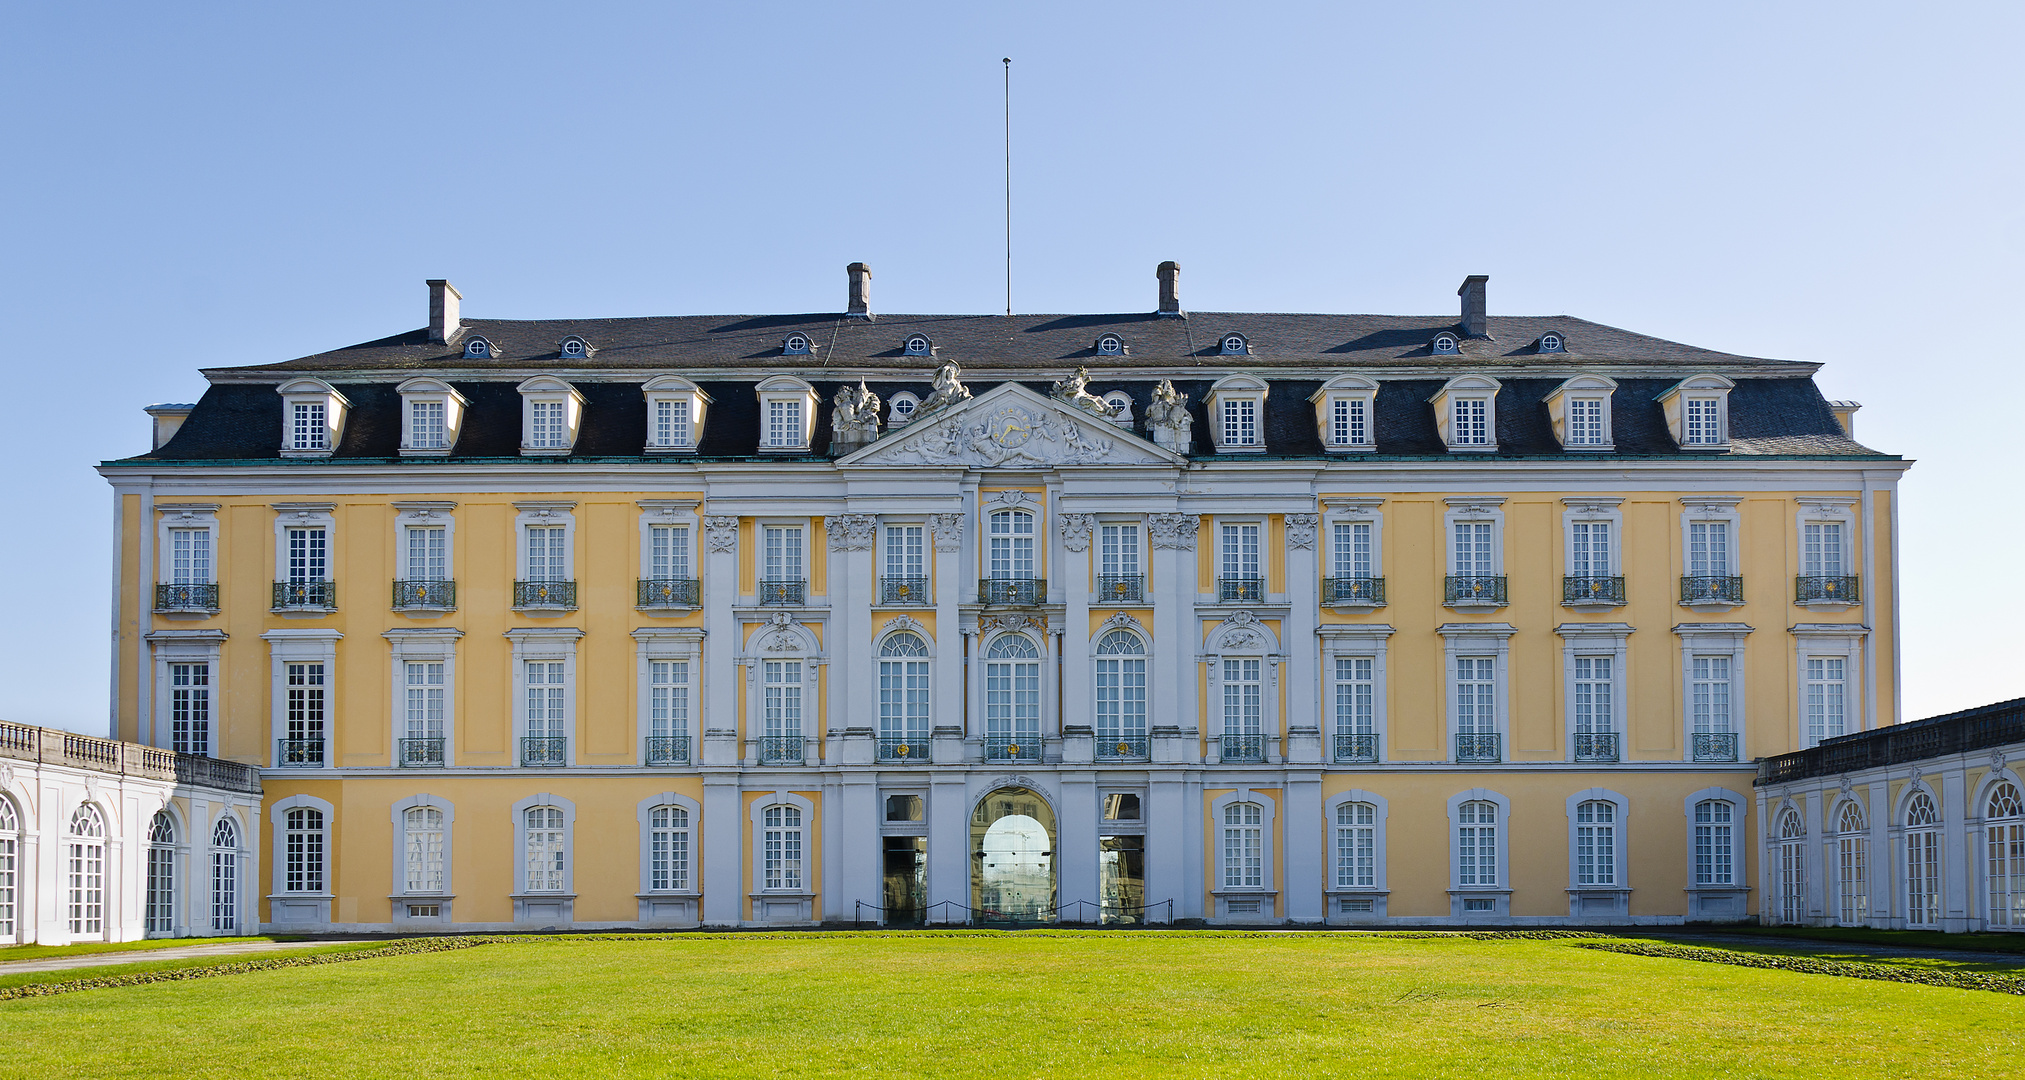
1118	551
1596	844
1349	422
1922	861
1704	423
1821	550
1234	345
668	846
84	847
1110	345
1344	413
905	552
543	849
573	348
1012	545
309	426
784	424
668	705
159	915
900	408
1012	693
782	702
550	429
1792	868
428	549
1474	551
1354	695
781	845
675	413
1589	544
1240	422
1852	867
313	416
423	700
190	556
1708	548
1709	685
1824	696
1243	696
551	411
308	555
1470	420
306	713
1356	845
1595	712
422	850
1715	844
547	683
1476	845
432	412
1697	411
1243	846
1350	550
903	690
10	872
1476	695
1578	411
1238	553
1466	413
426	425
795	345
668	552
671	423
547	553
781	553
303	845
224	876
190	708
787	412
2004	839
1121	691
1585	422
1237	408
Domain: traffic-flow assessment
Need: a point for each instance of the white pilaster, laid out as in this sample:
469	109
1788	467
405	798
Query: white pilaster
724	886
1303	855
1076	847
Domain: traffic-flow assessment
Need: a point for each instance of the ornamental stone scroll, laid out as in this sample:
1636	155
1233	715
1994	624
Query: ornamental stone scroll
1173	530
1076	530
851	532
722	532
1301	531
948	530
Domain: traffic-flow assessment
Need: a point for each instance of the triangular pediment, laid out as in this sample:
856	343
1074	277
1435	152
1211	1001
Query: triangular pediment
1011	427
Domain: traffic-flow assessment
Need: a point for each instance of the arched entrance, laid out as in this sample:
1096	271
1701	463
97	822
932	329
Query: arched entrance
1012	845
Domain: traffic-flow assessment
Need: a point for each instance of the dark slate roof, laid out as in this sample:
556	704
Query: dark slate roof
239	420
1042	343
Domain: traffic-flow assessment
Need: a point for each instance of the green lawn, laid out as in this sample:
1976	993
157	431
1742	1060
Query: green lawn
1015	1005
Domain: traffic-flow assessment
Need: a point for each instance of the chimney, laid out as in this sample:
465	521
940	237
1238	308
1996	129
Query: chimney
861	291
1169	274
1474	322
443	298
169	417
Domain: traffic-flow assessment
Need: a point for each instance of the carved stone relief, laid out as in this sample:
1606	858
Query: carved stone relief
1300	530
851	532
1076	530
1173	530
722	532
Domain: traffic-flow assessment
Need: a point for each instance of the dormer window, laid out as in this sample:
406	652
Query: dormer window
1235	345
787	414
478	348
312	417
575	348
1698	412
1446	345
551	412
432	412
919	346
1237	409
795	345
1110	345
1345	414
1579	412
900	408
1552	343
1121	407
675	409
1466	412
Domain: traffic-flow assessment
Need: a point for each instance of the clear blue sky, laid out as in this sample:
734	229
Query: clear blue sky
217	184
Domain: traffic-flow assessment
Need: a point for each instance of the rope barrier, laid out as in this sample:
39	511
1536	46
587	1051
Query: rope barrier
1053	913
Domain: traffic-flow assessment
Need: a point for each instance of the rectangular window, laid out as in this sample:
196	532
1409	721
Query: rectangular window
1824	698
1589	549
308	556
1821	550
1923	877
781	553
1474	554
1356	846
425	425
784	423
1120	550
1596	844
671	423
905	557
1708	548
424	699
428	553
305	716
1354	695
547	687
547	546
668	551
1704	427
190	556
1350	554
1713	842
1240	551
1348	424
1012	545
669	844
1711	694
1471	416
190	708
668	711
549	430
1241	422
1476	695
1243	712
1592	695
311	430
160	916
783	698
1585	422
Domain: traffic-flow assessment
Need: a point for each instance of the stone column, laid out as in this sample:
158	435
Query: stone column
1302	724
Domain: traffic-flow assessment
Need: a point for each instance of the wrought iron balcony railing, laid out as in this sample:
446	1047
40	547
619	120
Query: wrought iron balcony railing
1018	592
785	592
436	593
299	753
1122	747
1012	748
544	752
1839	588
421	753
1711	588
780	749
1240	588
1467	589
1596	746
305	596
1356	748
668	592
904	590
904	749
1715	746
1591	589
1353	590
1477	748
667	749
561	595
1242	749
186	598
1121	588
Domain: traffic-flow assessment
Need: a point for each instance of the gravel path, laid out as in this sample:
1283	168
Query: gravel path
135	956
1813	945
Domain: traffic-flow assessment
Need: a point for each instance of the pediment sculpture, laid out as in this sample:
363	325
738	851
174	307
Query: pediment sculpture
949	390
1168	420
1073	393
854	421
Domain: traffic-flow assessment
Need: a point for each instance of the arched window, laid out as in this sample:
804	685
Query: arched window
1792	868
1110	345
1476	844
422	850
1356	845
1715	843
903	698
545	851
2004	819
1012	699
10	868
781	846
1922	861
1012	545
668	847
302	842
1121	695
1243	846
85	848
159	915
900	408
1852	867
224	876
1596	844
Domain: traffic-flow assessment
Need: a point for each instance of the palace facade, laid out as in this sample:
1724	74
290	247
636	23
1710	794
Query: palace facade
1246	618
